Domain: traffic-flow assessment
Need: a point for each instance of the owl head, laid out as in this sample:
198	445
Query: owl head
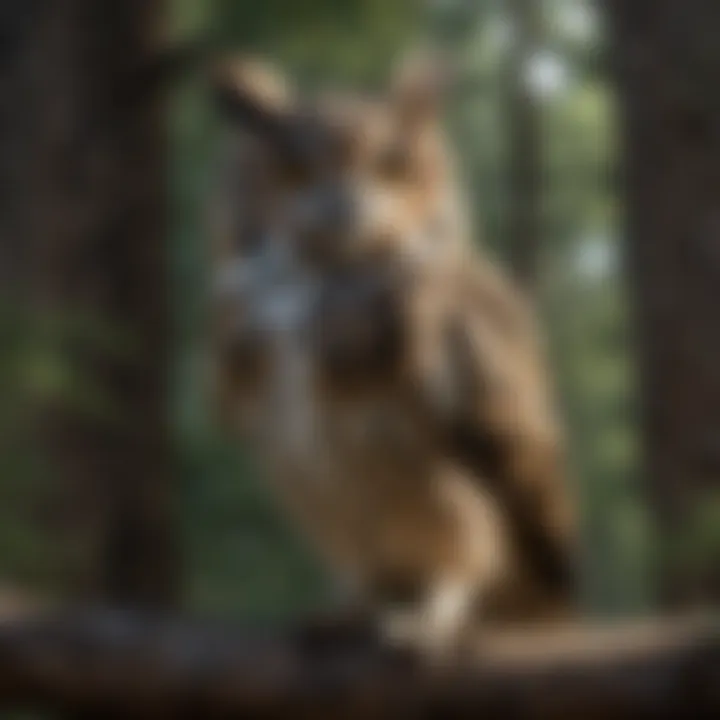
339	177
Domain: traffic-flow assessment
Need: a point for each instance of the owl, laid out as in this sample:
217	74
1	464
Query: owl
384	373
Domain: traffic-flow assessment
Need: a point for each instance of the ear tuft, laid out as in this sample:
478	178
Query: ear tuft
251	93
420	84
253	78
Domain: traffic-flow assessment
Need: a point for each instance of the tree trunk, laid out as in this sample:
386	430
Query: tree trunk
525	161
84	225
667	64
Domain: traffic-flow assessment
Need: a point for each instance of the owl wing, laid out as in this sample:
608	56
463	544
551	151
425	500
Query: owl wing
497	417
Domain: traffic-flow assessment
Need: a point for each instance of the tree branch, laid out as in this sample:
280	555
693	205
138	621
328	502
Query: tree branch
131	666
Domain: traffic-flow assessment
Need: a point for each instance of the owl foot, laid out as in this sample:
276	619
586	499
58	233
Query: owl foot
433	631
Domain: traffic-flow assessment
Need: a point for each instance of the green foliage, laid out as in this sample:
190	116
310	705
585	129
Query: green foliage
242	556
37	371
696	546
321	39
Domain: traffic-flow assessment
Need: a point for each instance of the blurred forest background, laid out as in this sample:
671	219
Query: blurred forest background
113	480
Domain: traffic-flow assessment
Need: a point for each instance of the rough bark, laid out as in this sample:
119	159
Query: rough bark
666	61
120	665
83	233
